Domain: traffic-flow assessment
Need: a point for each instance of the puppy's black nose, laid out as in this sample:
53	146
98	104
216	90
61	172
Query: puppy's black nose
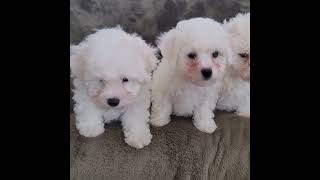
113	101
206	73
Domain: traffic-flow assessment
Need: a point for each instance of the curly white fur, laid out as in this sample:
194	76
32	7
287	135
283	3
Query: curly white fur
235	95
179	86
113	64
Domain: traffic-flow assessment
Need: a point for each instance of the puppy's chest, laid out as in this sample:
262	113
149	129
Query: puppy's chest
112	115
186	94
186	98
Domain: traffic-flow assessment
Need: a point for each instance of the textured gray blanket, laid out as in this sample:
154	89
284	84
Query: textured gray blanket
177	151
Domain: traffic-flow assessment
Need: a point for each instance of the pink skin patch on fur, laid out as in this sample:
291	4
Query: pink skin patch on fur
129	94
192	66
192	70
99	100
123	94
244	70
126	97
97	94
216	65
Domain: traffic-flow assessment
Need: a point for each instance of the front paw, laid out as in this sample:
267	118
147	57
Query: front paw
90	129
158	121
138	140
207	126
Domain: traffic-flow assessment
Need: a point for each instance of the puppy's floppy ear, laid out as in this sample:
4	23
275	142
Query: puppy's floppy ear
77	59
168	45
150	58
230	39
229	54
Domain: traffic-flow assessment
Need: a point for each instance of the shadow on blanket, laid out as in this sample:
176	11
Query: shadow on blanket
177	151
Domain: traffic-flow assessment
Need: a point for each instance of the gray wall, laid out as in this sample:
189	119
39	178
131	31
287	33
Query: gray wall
145	17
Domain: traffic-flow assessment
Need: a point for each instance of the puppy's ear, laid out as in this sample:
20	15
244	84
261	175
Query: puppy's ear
230	58
150	58
77	60
230	38
168	45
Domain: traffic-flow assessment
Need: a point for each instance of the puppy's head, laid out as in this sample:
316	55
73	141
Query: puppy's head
113	65
239	31
198	48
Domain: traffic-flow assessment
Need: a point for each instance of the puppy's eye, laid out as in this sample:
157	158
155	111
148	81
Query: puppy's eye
125	80
192	55
244	55
102	82
215	54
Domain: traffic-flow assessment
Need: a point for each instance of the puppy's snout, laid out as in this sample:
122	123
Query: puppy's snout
113	101
206	73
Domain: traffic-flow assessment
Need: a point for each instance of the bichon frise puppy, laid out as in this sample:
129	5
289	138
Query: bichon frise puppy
112	75
236	90
195	54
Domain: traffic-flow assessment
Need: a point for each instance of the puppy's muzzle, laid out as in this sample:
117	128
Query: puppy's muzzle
113	101
206	73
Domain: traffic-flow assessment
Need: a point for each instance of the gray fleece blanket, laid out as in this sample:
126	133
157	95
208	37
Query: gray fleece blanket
177	151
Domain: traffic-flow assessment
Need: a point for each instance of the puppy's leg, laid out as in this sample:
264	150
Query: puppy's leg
203	118
161	109
89	119
135	126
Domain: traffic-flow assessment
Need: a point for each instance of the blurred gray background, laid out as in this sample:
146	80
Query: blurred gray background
146	17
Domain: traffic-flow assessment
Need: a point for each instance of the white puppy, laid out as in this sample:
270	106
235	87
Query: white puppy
195	54
236	90
112	75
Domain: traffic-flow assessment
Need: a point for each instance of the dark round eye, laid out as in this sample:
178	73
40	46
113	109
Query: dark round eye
192	55
125	80
101	81
215	54
244	55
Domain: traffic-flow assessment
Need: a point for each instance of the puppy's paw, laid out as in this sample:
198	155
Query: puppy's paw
207	126
90	129
159	121
138	140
